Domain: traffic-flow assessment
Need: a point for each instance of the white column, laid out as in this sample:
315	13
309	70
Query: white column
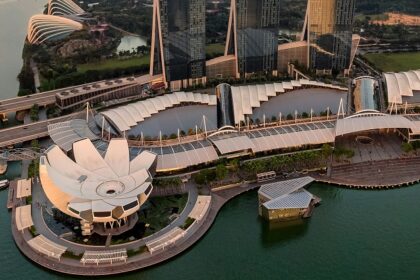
196	132
103	125
205	125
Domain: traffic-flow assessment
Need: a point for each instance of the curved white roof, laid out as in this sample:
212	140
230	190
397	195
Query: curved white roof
63	7
128	116
42	28
364	122
93	187
401	84
246	98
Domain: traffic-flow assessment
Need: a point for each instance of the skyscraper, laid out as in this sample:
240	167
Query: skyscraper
178	42
252	35
328	31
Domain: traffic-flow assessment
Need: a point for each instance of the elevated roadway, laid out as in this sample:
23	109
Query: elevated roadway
28	132
26	102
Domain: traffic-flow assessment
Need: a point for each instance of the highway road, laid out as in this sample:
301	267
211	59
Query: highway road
23	133
26	102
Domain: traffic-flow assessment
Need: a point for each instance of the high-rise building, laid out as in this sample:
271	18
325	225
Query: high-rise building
252	35
178	42
328	31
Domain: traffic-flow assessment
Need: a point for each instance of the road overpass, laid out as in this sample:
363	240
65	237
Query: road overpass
28	132
67	98
26	102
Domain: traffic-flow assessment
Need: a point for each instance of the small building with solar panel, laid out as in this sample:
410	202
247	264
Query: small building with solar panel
286	200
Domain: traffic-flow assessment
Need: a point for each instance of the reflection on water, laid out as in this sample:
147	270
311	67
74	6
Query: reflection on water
279	232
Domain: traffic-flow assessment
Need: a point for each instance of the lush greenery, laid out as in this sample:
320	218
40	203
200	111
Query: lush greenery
28	200
114	63
33	231
342	152
381	6
393	62
304	160
167	182
34	113
71	255
214	50
132	252
188	222
410	147
158	211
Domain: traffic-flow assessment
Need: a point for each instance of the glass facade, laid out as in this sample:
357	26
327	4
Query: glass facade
225	116
182	26
329	31
257	26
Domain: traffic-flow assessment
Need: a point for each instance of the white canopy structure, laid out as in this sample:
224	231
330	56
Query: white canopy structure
403	84
45	246
97	188
63	7
100	257
287	194
200	207
43	28
371	121
23	217
24	188
128	116
64	134
246	98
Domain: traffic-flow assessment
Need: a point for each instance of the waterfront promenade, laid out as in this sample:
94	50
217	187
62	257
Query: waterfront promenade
381	174
389	173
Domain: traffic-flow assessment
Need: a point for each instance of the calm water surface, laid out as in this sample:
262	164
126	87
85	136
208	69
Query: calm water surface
14	16
352	235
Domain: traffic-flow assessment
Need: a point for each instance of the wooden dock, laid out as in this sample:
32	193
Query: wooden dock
11	194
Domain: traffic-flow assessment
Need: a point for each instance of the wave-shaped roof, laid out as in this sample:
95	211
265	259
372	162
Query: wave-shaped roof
63	7
401	84
43	28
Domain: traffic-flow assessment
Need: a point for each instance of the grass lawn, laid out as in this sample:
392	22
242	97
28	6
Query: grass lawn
114	63
393	62
372	17
213	49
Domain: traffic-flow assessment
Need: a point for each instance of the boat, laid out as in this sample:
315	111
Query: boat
4	184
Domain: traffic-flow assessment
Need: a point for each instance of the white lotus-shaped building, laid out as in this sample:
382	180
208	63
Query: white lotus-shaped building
64	7
96	188
43	28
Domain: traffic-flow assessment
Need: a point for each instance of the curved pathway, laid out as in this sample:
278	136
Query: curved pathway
381	174
390	172
74	267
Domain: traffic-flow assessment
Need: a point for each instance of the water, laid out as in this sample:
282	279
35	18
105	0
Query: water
352	235
130	43
13	171
14	16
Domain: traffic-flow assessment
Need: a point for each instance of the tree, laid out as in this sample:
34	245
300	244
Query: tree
221	171
34	113
326	150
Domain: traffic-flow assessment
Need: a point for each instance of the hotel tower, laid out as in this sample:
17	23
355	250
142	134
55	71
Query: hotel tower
328	31
178	42
252	36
